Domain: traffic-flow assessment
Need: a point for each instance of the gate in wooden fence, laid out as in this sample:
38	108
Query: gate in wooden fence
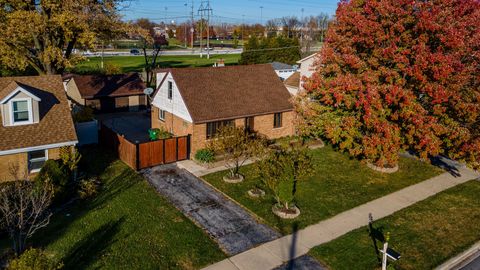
148	154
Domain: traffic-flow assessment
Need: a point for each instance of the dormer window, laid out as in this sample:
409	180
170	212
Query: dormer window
20	106
21	111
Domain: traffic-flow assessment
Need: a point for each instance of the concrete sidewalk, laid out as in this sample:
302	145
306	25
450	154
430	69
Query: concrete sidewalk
199	170
273	254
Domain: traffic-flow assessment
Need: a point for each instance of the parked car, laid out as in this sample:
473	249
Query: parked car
208	49
135	52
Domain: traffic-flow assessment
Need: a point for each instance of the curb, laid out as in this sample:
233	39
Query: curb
462	259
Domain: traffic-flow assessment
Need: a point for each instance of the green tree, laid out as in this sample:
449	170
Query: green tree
43	34
270	49
281	169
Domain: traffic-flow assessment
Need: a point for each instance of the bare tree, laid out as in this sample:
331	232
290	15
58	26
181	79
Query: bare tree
322	21
24	209
272	27
291	26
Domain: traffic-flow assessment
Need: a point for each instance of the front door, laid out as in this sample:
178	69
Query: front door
249	124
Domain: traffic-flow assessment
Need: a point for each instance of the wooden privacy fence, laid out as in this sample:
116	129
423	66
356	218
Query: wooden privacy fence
148	154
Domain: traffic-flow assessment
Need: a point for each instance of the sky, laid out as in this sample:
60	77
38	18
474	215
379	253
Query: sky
227	11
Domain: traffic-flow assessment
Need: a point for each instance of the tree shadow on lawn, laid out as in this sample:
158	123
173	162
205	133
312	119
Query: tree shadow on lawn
98	162
92	246
119	184
95	159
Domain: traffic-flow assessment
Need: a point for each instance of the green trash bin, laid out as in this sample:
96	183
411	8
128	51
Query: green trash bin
153	134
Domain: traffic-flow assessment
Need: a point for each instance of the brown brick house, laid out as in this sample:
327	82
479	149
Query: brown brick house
35	122
107	94
197	101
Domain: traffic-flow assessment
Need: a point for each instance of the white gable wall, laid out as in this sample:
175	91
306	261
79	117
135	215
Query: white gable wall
306	68
285	73
176	105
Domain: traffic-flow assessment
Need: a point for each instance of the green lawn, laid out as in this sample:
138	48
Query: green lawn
136	63
339	183
127	226
426	234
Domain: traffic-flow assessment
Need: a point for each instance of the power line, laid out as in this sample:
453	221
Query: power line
205	10
272	49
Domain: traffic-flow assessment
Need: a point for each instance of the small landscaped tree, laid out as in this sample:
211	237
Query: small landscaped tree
236	146
280	170
24	209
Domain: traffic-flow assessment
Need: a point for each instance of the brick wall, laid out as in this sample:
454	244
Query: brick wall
20	160
172	123
262	124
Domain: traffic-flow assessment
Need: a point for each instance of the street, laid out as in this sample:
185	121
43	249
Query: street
172	52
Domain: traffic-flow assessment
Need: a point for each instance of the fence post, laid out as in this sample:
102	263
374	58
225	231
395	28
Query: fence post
188	146
137	150
176	148
163	152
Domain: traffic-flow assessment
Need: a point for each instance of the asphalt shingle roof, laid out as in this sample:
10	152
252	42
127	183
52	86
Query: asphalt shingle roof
55	125
220	93
96	86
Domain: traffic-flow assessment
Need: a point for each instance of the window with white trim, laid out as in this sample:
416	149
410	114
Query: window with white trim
161	115
170	90
20	111
36	160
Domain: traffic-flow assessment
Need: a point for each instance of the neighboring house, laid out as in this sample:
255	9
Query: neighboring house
106	94
293	83
35	122
198	101
306	67
283	70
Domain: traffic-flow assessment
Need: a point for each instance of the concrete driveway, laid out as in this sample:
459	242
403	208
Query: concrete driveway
133	125
234	229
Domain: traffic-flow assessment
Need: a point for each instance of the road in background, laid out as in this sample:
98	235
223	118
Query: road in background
170	52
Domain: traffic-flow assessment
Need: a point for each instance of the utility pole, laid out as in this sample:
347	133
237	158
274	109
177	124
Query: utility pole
261	15
192	29
205	10
302	27
243	26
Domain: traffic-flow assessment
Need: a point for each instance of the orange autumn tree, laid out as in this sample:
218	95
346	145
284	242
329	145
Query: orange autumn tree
398	75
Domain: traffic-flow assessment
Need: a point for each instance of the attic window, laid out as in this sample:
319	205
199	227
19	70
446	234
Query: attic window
170	90
21	111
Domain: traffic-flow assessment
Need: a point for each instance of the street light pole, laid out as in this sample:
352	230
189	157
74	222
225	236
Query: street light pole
261	15
185	28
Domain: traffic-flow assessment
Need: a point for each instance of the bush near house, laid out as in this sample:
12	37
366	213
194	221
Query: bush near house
205	155
34	259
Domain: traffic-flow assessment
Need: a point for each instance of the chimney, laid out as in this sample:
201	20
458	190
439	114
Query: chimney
219	63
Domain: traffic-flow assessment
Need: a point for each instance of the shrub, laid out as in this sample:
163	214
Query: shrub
112	69
34	259
55	174
158	133
83	114
205	155
88	188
